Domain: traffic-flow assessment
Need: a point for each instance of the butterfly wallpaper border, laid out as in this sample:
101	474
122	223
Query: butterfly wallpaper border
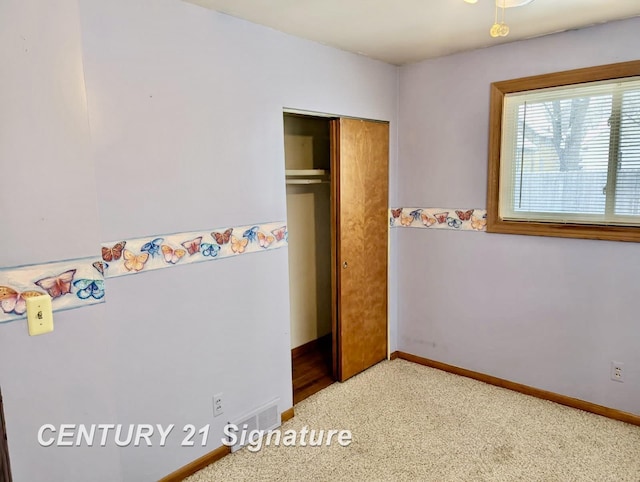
439	218
131	256
71	284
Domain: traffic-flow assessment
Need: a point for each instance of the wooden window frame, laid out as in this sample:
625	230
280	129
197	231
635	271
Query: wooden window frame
498	91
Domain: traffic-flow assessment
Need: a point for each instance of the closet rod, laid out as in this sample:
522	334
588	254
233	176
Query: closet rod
306	181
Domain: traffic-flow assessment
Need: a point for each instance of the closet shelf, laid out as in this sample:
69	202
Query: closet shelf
307	181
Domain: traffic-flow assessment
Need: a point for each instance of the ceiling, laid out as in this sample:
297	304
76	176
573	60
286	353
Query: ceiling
405	31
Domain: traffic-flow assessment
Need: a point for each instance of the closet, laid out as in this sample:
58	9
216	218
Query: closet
337	220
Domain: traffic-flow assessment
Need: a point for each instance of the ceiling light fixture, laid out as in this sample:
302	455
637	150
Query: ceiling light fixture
502	29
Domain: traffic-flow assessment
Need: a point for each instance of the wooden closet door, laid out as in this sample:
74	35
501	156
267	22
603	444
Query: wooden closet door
361	192
5	468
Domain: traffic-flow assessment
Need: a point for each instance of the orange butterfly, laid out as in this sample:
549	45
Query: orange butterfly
12	301
59	285
238	245
222	238
478	224
428	220
114	253
396	213
464	215
405	220
99	265
133	262
172	255
193	246
265	240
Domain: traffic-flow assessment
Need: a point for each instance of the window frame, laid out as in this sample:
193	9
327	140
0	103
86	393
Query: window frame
558	79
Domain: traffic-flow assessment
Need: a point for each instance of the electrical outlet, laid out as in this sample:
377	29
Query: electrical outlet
217	405
617	371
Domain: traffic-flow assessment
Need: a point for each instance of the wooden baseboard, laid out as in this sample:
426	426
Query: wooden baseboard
311	346
287	415
198	464
394	355
518	387
207	459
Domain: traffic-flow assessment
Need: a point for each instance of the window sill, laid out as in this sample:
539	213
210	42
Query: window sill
582	231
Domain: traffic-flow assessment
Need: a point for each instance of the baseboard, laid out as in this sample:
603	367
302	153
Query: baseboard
518	387
207	459
311	346
394	355
287	415
198	464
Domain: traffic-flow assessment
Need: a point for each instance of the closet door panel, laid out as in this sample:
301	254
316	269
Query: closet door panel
361	271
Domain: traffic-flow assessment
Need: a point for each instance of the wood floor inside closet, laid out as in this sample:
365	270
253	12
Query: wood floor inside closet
312	368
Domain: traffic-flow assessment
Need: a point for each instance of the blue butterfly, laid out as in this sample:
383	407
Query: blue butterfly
251	234
454	223
89	288
415	214
152	247
208	249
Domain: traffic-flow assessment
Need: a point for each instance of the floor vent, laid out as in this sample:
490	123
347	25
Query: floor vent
264	419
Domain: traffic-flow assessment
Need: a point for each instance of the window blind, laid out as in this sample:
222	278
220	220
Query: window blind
572	154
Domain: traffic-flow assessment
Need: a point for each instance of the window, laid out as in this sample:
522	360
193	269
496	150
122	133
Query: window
564	154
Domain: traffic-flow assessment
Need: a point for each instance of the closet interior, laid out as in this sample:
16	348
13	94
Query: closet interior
307	146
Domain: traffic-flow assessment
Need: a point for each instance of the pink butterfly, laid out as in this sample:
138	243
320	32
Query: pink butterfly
192	246
280	233
59	285
172	255
442	217
13	302
265	240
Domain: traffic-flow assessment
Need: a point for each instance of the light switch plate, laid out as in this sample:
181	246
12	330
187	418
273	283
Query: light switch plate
39	315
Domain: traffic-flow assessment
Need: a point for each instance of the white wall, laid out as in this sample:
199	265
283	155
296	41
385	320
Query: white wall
47	190
549	313
185	114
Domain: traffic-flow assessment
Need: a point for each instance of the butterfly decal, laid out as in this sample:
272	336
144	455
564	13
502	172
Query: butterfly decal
415	214
13	302
406	220
454	223
171	255
133	262
238	245
265	240
192	246
222	238
251	234
152	247
465	215
442	217
395	213
89	288
427	220
114	253
281	233
479	224
59	285
100	265
210	249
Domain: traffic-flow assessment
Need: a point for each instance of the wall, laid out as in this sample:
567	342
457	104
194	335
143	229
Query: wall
48	190
549	313
307	146
186	133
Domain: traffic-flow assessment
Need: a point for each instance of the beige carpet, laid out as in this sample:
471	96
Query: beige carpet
411	422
